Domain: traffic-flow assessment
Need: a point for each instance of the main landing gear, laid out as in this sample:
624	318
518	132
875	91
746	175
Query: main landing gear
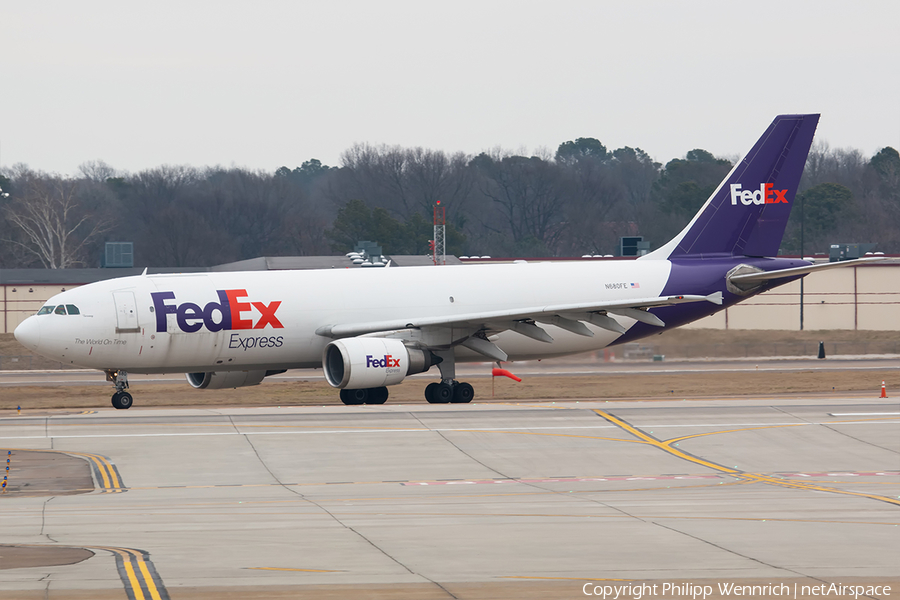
377	395
121	399
448	390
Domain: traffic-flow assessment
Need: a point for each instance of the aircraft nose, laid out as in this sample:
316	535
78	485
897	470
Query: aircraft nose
29	333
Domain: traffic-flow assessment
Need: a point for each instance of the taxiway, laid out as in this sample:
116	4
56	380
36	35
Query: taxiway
469	501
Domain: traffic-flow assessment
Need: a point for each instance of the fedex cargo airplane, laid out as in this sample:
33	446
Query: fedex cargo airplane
368	329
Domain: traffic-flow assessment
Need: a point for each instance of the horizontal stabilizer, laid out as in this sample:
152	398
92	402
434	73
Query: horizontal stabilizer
799	271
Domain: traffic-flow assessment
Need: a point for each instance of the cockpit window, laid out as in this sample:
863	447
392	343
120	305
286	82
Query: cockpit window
60	310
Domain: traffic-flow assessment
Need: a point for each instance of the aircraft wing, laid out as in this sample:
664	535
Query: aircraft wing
567	316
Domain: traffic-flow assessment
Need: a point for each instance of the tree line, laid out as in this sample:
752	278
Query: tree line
578	200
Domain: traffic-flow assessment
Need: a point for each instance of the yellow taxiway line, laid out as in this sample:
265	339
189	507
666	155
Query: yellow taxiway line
666	446
104	469
135	572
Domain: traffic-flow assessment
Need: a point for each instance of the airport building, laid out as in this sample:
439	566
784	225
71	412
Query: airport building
864	297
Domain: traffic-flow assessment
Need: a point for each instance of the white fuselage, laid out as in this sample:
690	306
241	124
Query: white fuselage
275	314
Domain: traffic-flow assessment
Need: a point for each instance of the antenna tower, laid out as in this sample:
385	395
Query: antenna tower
440	230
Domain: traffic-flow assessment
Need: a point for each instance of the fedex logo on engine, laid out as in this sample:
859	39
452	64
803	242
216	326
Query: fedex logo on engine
225	314
764	195
387	362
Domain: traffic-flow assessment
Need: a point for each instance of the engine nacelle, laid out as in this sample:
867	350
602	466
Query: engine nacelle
225	379
364	362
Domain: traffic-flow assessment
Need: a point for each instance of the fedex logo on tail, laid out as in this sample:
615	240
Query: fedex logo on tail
226	314
764	195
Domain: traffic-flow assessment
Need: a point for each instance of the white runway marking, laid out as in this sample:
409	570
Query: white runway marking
890	414
422	430
632	478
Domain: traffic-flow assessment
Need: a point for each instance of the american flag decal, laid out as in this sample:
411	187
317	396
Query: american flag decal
635	285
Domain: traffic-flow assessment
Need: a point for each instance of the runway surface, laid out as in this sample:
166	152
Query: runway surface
509	500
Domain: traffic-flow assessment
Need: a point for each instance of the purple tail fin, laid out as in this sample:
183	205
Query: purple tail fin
747	214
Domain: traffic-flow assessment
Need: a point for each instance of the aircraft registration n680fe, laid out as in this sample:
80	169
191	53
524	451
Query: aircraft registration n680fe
370	328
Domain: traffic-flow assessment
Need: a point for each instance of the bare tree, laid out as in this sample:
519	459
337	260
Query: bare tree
437	177
592	196
377	175
844	166
56	229
528	194
404	181
173	225
97	171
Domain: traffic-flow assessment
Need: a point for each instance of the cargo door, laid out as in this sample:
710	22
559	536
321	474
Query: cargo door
126	313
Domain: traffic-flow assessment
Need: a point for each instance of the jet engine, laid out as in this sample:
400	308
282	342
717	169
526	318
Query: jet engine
226	379
363	362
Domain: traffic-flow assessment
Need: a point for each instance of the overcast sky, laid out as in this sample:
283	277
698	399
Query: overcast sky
266	84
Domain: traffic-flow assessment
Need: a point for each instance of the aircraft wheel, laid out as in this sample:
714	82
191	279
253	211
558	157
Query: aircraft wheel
354	396
122	400
428	391
463	393
377	395
441	393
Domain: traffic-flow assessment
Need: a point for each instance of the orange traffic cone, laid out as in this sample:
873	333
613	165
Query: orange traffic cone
883	390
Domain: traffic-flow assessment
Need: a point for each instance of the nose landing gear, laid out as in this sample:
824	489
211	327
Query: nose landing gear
121	399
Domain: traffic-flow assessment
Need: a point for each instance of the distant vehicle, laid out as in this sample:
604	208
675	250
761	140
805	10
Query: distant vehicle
370	328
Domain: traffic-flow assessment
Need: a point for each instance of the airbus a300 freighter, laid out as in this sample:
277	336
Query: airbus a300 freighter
370	328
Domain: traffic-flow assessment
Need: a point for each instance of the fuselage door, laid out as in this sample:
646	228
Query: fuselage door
126	313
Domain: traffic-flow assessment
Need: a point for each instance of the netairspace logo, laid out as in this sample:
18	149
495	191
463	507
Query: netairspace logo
764	195
637	591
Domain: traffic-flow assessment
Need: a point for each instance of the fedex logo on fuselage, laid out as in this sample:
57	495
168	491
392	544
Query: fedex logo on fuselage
387	362
764	195
225	314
